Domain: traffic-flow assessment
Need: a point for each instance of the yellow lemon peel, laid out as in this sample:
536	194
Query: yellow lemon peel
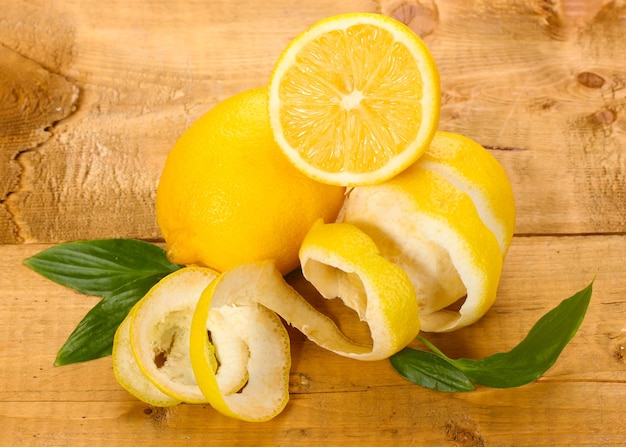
159	332
128	373
343	262
248	334
472	169
237	319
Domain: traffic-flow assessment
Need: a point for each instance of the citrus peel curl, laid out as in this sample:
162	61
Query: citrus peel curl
159	332
238	315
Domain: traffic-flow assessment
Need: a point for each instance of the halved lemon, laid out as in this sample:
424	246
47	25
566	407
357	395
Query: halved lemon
354	99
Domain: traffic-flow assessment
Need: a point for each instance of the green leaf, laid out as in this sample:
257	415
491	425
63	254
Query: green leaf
93	337
430	371
100	267
528	361
121	271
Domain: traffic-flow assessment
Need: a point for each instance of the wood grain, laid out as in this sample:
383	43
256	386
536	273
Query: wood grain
540	83
92	97
333	399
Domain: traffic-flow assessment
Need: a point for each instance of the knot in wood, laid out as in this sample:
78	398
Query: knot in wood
606	116
420	17
591	80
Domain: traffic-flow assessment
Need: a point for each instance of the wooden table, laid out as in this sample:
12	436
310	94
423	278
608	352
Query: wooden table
94	94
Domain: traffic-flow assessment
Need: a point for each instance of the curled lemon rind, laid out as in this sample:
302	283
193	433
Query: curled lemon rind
159	332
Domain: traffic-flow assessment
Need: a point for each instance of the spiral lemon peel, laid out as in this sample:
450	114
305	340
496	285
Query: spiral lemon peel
128	373
159	332
246	334
240	313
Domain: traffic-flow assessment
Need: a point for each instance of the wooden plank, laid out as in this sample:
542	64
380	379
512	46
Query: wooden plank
544	79
580	401
145	71
545	90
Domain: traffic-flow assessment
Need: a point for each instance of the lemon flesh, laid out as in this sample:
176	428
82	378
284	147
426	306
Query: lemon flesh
354	99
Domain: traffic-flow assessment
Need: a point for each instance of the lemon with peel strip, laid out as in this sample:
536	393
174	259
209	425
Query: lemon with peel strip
472	169
128	373
431	229
159	332
354	99
243	332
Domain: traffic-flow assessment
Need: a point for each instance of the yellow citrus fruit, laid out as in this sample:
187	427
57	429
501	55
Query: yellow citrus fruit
227	195
247	341
431	228
128	373
354	99
159	332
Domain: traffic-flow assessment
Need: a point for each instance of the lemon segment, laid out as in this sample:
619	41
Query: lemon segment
242	331
431	229
159	332
354	99
472	169
129	375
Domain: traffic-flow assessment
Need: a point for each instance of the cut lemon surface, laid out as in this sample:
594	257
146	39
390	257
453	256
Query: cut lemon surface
432	230
159	332
354	99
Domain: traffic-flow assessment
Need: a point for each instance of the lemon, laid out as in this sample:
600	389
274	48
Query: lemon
129	375
160	324
227	195
432	229
247	341
354	99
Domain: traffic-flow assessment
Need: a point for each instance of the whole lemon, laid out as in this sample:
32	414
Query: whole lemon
227	194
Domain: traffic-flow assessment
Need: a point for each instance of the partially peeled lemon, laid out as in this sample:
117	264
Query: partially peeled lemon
447	221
